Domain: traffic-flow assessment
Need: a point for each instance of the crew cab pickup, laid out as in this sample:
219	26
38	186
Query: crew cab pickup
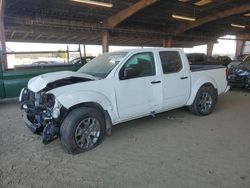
81	107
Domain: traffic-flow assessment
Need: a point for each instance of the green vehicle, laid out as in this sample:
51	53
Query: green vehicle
13	80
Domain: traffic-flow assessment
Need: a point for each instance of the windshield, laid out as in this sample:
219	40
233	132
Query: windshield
102	65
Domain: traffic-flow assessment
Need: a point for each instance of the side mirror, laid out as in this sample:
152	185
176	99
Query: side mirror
129	73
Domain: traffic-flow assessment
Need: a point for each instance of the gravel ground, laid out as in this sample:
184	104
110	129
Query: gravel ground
176	149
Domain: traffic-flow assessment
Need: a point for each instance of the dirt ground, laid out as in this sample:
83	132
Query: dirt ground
176	150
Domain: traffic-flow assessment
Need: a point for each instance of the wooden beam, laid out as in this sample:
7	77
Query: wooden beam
212	17
38	36
62	37
243	36
127	12
50	37
71	38
26	35
12	34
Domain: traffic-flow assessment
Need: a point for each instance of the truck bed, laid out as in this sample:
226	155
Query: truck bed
214	73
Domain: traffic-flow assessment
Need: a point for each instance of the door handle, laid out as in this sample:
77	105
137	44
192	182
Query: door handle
185	77
156	82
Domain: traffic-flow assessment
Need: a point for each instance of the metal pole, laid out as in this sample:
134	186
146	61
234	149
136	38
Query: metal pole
67	54
80	52
84	50
2	35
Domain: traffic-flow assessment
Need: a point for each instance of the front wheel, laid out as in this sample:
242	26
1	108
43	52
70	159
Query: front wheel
82	130
204	102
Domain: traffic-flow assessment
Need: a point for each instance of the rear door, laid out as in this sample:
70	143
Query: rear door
138	86
175	79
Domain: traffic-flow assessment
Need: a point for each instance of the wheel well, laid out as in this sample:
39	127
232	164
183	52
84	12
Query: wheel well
87	104
95	105
210	85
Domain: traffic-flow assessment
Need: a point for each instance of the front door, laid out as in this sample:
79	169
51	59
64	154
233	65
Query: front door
138	88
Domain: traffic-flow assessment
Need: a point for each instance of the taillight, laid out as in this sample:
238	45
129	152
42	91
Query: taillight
227	74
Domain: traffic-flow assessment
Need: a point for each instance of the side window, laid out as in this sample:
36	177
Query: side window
139	65
171	61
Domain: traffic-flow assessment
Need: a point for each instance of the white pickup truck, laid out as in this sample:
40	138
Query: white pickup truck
81	107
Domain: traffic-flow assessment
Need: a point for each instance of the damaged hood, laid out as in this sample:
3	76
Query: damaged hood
57	79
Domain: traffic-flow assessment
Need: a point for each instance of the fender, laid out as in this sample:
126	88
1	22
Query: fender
197	85
69	100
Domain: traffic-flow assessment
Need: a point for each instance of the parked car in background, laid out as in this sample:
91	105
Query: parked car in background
239	60
45	62
81	61
81	107
239	76
13	80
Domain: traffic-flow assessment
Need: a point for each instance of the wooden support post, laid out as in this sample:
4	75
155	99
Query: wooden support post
2	36
210	46
167	42
105	41
239	47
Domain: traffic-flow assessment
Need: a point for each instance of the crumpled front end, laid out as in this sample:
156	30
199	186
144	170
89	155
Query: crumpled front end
41	112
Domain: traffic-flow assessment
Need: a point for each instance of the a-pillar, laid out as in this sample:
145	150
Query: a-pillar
210	46
239	46
167	42
2	35
105	41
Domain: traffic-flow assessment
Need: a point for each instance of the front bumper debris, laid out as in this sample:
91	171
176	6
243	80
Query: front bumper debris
35	128
38	117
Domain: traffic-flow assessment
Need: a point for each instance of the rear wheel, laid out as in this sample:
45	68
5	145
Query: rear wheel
204	102
82	130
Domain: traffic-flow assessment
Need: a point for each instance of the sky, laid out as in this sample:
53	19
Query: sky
223	47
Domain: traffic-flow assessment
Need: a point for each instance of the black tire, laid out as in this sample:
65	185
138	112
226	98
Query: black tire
71	124
197	107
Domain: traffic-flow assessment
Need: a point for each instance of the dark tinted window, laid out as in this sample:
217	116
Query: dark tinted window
139	65
171	61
